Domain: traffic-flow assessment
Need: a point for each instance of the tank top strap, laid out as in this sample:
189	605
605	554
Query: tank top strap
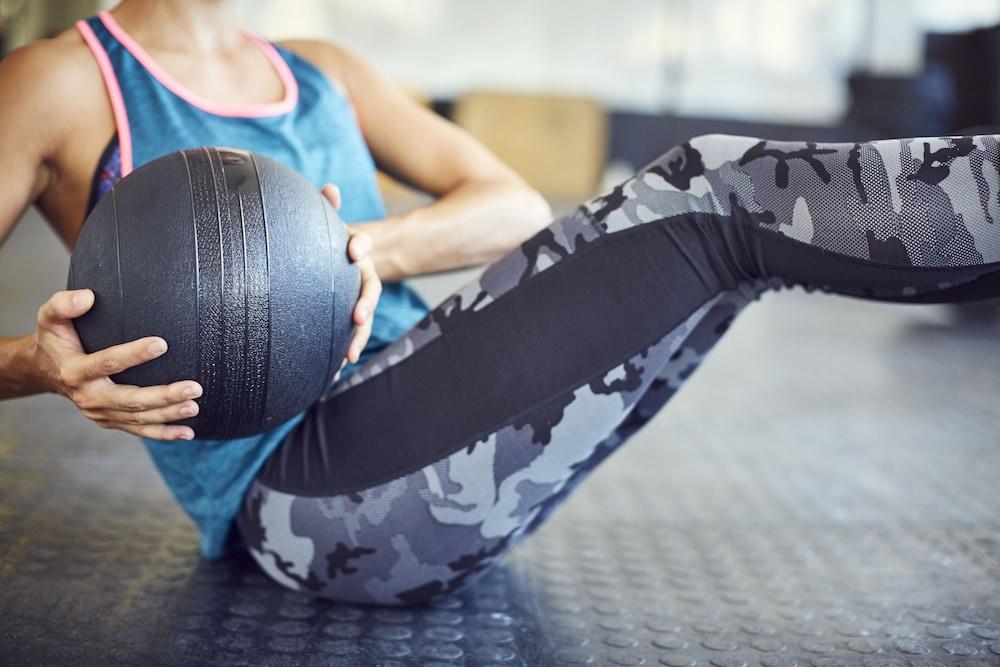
104	47
132	50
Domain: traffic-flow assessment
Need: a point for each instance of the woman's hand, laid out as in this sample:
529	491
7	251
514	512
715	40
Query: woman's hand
358	249
64	368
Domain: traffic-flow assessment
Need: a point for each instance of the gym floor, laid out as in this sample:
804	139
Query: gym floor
824	492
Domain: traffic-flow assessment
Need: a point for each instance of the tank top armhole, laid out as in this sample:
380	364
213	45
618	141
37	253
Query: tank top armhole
334	84
107	173
118	109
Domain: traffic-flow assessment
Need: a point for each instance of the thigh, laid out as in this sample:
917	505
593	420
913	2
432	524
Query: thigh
433	530
488	357
429	463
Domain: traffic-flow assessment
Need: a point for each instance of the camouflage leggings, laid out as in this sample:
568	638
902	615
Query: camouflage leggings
422	469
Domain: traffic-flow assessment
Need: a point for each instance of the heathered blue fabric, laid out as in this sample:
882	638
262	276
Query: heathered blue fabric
320	139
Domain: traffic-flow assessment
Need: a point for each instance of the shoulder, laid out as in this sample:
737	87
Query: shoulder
49	67
50	82
337	63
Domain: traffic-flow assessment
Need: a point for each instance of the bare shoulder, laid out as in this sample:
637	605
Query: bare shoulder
339	64
59	65
53	83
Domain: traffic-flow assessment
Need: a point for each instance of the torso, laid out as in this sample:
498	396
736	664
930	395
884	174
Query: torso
90	123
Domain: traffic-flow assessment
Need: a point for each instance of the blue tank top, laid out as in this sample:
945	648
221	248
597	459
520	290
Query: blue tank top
313	130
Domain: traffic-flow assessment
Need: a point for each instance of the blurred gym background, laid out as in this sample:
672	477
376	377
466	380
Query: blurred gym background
567	89
577	94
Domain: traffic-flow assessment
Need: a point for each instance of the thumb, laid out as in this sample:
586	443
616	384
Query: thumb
65	305
332	194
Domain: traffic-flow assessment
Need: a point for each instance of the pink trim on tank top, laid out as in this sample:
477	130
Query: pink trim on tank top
286	104
114	95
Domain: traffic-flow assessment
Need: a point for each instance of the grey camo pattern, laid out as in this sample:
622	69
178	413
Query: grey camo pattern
907	203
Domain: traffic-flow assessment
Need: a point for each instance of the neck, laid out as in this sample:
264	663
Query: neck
189	25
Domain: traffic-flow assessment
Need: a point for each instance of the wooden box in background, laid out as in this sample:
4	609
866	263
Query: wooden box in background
557	144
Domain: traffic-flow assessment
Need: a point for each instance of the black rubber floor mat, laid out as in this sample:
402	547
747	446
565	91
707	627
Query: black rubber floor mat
824	492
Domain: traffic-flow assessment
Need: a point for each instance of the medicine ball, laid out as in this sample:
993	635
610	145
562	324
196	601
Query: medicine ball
240	264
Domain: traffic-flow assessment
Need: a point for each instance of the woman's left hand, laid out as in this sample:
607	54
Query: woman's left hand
359	250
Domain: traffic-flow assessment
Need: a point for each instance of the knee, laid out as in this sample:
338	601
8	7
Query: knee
682	164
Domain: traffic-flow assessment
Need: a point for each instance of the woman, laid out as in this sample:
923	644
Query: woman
154	77
427	462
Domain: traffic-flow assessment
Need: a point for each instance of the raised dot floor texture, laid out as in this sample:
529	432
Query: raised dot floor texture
825	492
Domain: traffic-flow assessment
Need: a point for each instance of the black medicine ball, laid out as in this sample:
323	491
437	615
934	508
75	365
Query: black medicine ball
240	264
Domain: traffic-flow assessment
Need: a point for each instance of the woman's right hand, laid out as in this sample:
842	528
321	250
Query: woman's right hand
66	369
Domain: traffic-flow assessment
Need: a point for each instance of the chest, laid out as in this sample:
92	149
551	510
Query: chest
319	138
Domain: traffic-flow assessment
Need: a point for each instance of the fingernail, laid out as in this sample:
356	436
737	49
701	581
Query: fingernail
187	435
192	392
363	312
80	299
157	347
189	411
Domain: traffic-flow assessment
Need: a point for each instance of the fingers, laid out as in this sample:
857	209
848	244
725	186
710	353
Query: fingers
142	411
332	194
160	416
113	360
65	305
127	398
371	290
358	341
154	432
359	245
55	314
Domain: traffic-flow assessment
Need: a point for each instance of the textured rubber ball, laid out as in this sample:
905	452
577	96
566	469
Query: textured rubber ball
240	264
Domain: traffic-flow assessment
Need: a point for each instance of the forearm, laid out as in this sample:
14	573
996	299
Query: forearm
18	372
473	224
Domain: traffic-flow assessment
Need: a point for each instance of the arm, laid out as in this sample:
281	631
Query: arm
18	374
483	208
24	153
51	359
24	161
